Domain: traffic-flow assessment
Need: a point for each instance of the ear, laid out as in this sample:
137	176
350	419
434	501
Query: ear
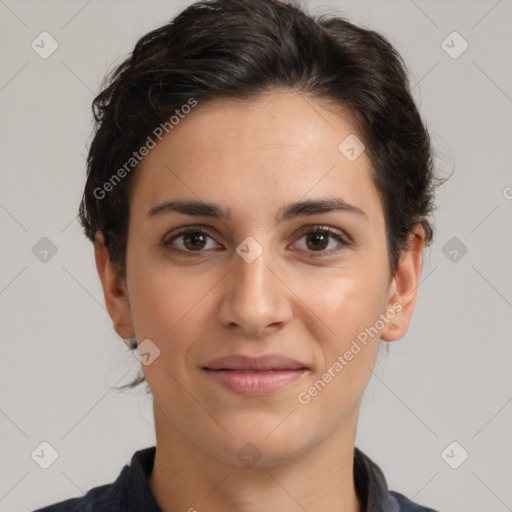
114	290
404	287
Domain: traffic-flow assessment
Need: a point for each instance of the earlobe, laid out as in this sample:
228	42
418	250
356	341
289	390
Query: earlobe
114	290
404	287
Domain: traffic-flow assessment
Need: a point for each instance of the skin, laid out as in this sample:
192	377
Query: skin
253	158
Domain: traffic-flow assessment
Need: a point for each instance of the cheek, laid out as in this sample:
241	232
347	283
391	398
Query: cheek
346	357
345	302
163	301
348	309
168	310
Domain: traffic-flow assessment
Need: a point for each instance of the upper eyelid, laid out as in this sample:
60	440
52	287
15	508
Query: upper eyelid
187	229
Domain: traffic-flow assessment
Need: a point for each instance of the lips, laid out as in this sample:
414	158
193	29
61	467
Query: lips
267	362
255	376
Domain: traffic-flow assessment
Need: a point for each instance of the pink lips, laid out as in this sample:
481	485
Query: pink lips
255	376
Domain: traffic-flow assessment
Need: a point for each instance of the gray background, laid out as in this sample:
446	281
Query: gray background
448	380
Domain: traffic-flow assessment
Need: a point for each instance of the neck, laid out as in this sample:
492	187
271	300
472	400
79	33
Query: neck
185	478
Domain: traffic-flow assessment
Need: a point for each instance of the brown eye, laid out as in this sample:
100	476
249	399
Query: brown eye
317	241
190	240
321	238
194	240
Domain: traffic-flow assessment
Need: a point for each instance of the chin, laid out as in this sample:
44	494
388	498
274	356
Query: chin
260	447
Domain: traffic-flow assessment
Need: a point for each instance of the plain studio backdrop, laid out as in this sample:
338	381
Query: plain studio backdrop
437	413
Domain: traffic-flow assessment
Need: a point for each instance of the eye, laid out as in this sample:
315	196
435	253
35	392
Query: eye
317	240
320	238
190	240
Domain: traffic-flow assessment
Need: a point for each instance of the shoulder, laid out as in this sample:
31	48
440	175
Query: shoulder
372	488
98	499
129	492
406	505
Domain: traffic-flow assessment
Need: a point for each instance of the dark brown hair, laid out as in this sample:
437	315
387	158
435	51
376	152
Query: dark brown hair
239	49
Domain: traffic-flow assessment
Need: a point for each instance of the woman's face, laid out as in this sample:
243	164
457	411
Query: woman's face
257	280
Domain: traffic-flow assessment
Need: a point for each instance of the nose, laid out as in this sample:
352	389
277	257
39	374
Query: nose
255	300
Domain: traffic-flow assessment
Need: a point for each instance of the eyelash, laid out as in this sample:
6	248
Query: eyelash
321	230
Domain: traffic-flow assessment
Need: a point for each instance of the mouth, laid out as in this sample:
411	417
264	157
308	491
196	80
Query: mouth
255	376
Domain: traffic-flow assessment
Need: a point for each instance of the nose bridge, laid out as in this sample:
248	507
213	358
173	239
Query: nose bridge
254	298
252	279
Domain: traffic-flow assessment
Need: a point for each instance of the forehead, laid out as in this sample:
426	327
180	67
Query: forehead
253	156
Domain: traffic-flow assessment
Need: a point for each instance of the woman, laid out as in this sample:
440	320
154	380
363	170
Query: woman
258	194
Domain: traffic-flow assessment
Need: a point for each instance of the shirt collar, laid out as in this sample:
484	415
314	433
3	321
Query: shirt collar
371	486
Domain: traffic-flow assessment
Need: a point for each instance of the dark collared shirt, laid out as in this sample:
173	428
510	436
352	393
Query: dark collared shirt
130	492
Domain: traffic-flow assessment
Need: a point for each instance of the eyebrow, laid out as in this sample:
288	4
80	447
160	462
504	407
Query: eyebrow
289	212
